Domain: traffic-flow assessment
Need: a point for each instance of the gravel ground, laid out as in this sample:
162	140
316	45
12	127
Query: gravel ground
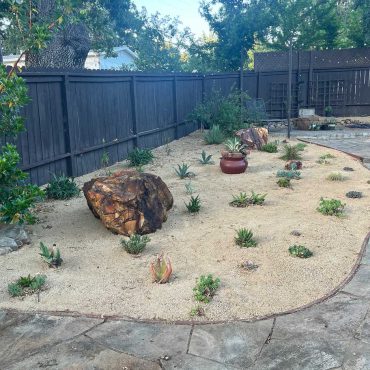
99	277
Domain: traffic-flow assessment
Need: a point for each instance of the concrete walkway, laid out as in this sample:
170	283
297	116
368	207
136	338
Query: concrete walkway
334	334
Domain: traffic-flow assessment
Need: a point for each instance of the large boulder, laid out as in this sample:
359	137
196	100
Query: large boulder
129	202
12	237
254	137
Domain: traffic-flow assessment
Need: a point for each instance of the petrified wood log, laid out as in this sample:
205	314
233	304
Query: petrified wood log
129	202
253	137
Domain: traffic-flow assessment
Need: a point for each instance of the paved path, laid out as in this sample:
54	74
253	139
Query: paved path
334	334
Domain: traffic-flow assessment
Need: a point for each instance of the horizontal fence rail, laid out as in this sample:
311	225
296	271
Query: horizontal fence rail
75	117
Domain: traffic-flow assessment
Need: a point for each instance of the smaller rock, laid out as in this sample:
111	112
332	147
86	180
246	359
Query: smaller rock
349	169
6	242
249	265
296	233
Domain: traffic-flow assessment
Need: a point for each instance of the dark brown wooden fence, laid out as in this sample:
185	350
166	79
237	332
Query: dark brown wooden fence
74	117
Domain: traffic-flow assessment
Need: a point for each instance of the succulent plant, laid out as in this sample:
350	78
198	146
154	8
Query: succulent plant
50	255
244	238
284	182
161	269
354	194
194	204
300	251
182	171
206	159
233	145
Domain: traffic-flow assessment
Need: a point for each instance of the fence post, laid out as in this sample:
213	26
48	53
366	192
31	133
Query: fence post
175	109
70	146
134	111
258	86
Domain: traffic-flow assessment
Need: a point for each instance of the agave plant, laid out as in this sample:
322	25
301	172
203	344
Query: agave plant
50	255
206	159
161	269
233	145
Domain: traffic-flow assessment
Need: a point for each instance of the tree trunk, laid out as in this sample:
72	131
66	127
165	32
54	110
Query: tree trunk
1	54
68	48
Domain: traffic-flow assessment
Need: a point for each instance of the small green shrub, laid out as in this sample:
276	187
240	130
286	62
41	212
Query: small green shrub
26	285
205	288
62	187
324	159
104	160
194	204
140	157
354	194
300	251
182	171
336	176
269	148
331	207
189	189
284	182
257	199
233	145
206	159
290	152
289	174
240	200
214	135
50	255
135	244
301	147
244	238
243	200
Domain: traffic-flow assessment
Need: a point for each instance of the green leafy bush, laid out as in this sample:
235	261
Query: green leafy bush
301	147
336	176
324	159
289	174
140	157
331	207
50	255
182	171
300	251
135	244
104	160
244	238
206	159
194	204
284	182
16	196
290	152
269	148
214	135
205	288
26	285
354	194
62	187
228	112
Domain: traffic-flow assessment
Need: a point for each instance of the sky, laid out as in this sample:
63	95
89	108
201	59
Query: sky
186	10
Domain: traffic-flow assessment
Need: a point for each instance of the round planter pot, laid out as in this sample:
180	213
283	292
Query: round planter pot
233	165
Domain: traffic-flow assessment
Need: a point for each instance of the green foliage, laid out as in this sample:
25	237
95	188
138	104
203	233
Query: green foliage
336	176
206	159
226	112
244	238
182	171
205	288
257	199
301	147
26	285
104	160
233	145
300	251
193	206
323	159
291	152
62	187
214	135
269	148
354	194
189	189
284	182
289	174
331	207
50	255
140	157
135	244
240	200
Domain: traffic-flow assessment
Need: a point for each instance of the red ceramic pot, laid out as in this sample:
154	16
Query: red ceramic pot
233	164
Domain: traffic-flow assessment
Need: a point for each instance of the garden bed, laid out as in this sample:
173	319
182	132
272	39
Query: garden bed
99	277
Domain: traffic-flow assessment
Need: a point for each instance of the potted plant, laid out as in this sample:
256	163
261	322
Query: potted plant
233	159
